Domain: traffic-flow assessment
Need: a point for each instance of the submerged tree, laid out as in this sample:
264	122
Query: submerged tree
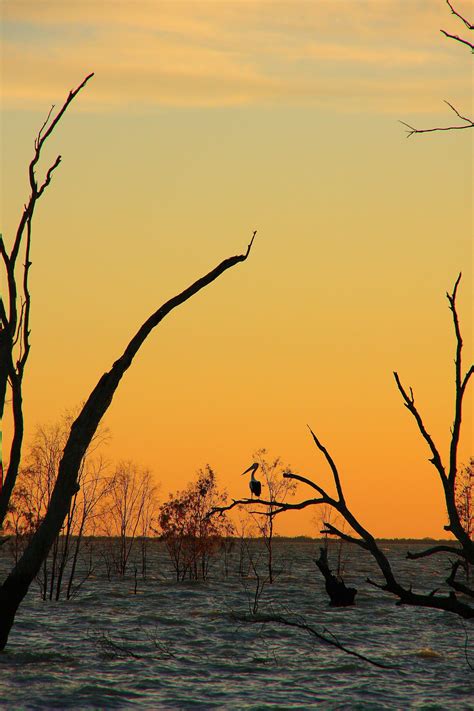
31	498
278	489
192	537
340	595
464	492
126	514
448	474
14	351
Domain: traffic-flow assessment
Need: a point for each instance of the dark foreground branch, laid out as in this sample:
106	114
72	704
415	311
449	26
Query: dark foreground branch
434	550
82	431
455	584
277	506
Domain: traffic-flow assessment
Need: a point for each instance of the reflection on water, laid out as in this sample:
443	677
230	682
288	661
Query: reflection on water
174	645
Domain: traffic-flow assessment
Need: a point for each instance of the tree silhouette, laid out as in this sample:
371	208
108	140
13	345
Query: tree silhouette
14	351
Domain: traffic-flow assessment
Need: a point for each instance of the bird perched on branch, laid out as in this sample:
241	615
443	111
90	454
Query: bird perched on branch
255	486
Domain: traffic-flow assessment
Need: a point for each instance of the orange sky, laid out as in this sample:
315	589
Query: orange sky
205	121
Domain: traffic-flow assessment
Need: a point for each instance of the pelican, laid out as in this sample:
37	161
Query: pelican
255	486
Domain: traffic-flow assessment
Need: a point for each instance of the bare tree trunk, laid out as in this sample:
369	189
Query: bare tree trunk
14	326
75	557
18	581
269	543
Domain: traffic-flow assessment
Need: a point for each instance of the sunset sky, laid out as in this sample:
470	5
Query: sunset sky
208	120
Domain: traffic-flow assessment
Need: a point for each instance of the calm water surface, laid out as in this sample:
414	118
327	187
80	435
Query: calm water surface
175	646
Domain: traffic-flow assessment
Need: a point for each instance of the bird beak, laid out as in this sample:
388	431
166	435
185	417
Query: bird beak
252	467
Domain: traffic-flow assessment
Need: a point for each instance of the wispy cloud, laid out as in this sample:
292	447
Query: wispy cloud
152	53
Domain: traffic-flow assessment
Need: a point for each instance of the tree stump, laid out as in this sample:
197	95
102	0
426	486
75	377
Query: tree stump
339	594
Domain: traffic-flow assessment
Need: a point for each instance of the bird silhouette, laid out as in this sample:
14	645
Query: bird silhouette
254	484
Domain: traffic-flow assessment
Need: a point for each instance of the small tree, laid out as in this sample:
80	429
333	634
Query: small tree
31	498
192	537
464	489
278	489
464	496
126	509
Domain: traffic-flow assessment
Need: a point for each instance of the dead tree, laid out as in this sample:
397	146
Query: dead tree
15	314
463	552
15	331
279	489
467	122
339	594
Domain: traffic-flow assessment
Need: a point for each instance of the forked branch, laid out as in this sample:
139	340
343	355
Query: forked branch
468	122
331	463
15	315
409	401
448	479
435	549
81	434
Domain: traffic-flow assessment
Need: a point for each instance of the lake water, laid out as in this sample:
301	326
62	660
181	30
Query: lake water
175	645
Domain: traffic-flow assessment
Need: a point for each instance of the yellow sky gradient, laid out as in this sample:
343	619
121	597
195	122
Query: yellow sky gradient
203	122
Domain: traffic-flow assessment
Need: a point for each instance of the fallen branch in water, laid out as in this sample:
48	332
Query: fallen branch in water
327	638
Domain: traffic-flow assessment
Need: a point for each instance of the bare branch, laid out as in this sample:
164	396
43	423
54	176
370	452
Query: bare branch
38	137
409	401
250	244
27	303
456	428
47	180
3	252
466	378
325	497
333	531
3	315
39	142
278	506
72	94
458	39
468	120
468	24
460	587
434	550
412	129
331	463
329	640
376	585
